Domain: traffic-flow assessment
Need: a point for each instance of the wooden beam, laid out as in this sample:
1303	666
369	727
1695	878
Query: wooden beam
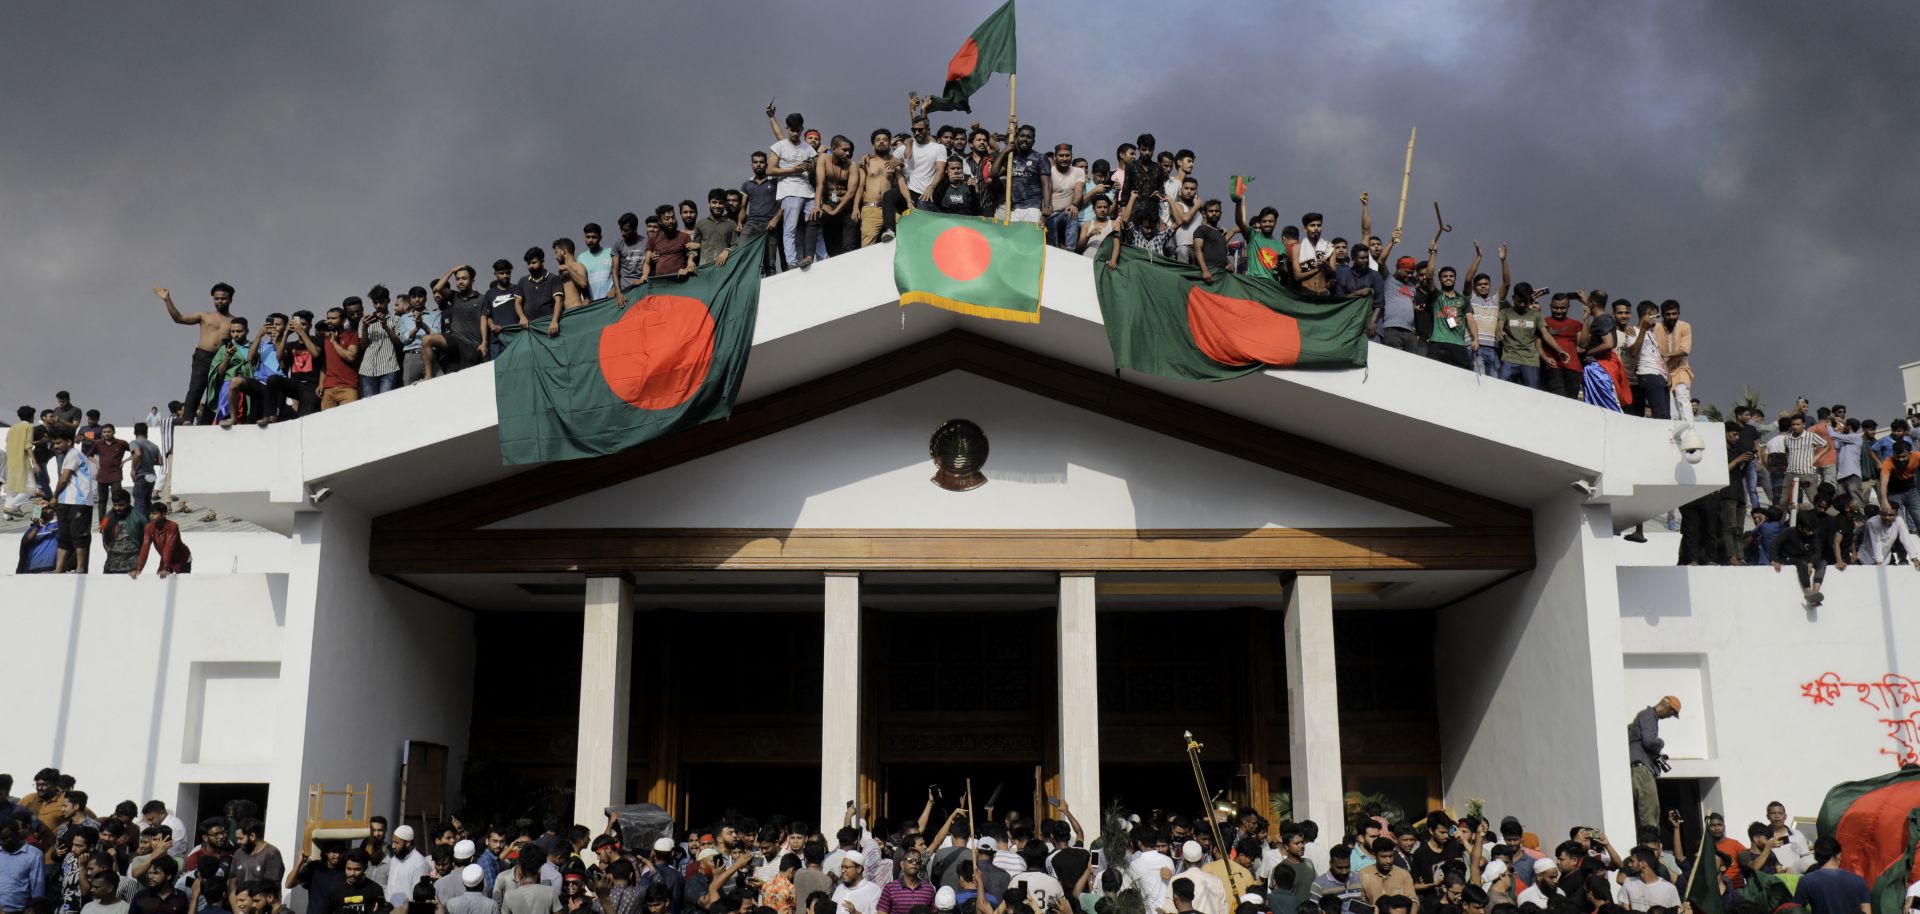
1061	381
712	549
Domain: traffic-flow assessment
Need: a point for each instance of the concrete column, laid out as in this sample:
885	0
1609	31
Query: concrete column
1547	640
606	684
840	699
1313	713
1079	697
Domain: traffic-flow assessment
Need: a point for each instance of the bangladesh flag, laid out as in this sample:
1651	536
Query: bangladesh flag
970	265
632	368
1162	320
1877	822
989	50
1703	875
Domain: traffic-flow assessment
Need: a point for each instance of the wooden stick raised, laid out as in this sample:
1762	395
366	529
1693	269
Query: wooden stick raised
1013	127
1406	176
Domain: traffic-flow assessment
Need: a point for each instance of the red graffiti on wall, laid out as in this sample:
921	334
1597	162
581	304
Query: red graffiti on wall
1892	694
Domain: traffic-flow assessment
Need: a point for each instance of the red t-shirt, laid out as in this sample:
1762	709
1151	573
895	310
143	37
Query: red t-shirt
109	454
341	372
670	254
1566	332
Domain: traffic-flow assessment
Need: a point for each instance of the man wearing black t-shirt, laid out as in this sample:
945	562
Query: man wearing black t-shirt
356	894
498	300
160	896
1209	242
1425	867
537	294
465	326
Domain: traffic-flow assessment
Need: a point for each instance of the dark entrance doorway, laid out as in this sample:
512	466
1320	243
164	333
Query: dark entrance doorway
711	791
903	789
1143	788
1688	796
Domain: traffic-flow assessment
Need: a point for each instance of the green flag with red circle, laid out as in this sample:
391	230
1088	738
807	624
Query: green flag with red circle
1162	319
970	265
990	49
625	370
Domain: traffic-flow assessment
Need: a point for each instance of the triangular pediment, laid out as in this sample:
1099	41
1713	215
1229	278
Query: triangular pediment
1090	472
1051	465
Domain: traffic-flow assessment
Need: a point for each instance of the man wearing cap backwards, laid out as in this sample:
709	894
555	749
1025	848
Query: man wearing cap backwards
404	867
1546	881
1393	313
1644	746
1209	893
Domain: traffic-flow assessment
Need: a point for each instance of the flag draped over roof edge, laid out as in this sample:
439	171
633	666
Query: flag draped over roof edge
629	369
1162	320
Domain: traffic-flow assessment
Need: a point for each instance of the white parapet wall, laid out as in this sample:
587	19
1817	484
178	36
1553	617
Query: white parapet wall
144	689
1781	701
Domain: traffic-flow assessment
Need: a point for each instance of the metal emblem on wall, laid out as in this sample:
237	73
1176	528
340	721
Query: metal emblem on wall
959	451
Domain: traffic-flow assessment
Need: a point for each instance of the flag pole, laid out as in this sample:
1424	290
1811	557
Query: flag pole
1406	175
1013	127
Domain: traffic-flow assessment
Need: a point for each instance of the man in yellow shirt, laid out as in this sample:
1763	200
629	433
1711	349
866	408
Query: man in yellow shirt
1234	872
19	464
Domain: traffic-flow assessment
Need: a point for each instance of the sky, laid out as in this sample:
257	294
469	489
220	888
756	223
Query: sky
1752	161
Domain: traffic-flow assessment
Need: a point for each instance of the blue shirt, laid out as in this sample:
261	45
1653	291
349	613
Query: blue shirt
489	868
22	876
269	362
1830	890
1883	447
1763	537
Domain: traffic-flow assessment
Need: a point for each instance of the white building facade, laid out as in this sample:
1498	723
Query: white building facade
1402	581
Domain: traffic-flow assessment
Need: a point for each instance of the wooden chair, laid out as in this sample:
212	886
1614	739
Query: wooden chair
350	826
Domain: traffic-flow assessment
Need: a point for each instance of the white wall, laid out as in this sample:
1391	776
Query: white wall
1739	648
374	663
1050	466
214	552
140	687
1528	684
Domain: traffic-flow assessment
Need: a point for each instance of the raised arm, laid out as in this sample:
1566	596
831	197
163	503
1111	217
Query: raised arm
773	123
1366	221
1473	269
1386	253
1239	215
1506	276
174	312
440	285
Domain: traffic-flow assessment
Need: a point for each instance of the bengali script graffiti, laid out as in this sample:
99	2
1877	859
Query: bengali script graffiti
1895	697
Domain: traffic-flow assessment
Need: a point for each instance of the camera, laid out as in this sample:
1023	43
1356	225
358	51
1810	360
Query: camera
1692	446
1662	764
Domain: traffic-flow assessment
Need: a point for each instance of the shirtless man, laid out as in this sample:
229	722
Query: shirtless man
878	171
213	332
835	224
573	275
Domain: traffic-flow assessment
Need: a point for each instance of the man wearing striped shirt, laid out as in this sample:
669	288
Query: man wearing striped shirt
1804	452
902	894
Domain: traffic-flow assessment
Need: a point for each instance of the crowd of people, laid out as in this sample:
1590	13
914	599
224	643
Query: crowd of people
1810	489
58	856
817	198
61	468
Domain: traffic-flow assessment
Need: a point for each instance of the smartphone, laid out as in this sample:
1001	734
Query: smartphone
1053	801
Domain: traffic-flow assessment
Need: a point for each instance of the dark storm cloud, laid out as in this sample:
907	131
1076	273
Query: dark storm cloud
1750	160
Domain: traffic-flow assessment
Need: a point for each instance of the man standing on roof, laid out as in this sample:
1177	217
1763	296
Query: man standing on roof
213	331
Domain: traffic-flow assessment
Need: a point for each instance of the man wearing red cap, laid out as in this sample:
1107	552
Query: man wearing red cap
1645	750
